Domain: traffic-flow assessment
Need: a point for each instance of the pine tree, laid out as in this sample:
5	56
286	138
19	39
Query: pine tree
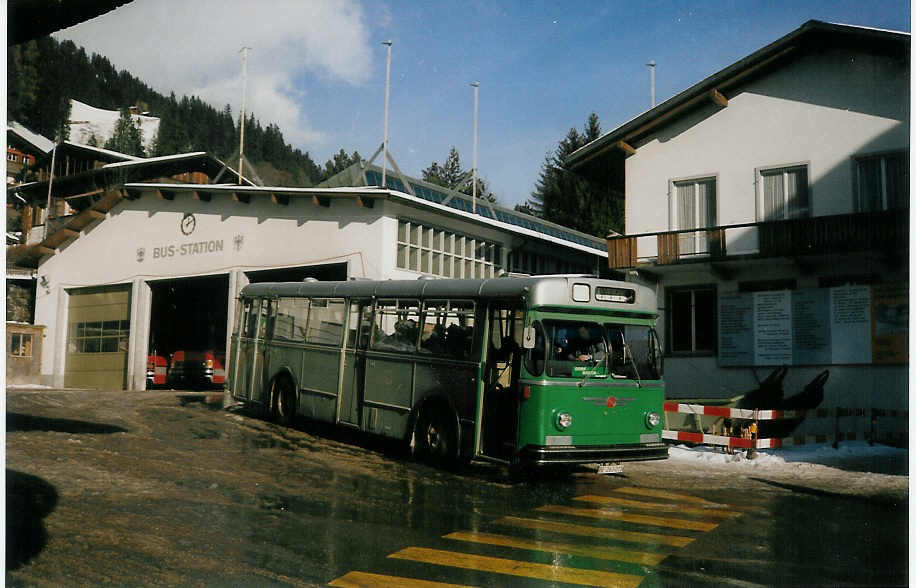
563	197
126	137
450	175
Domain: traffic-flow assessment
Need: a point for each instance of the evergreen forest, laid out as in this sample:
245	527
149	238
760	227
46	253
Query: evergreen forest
44	74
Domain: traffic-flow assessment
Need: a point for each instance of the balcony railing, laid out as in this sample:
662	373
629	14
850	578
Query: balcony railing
871	231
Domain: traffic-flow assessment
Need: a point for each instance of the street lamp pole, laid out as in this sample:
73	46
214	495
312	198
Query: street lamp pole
385	138
244	52
476	86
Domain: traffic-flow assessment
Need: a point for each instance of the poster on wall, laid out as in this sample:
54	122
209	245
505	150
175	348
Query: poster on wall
890	315
817	326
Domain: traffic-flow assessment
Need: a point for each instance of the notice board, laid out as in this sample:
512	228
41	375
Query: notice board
814	326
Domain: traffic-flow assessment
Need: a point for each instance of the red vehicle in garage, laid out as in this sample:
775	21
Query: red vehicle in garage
157	368
197	369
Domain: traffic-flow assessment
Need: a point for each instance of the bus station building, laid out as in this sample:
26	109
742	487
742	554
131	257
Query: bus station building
153	252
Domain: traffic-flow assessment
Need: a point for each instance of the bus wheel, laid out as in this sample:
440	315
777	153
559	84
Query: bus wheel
285	401
435	437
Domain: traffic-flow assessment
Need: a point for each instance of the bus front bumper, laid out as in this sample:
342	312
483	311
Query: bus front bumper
572	455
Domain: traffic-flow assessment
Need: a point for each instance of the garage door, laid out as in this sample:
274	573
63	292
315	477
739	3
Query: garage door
98	328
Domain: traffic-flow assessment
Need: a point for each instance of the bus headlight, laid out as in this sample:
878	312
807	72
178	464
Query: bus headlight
563	421
653	420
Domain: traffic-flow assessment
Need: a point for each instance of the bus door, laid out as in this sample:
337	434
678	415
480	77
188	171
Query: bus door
500	394
353	362
246	329
266	309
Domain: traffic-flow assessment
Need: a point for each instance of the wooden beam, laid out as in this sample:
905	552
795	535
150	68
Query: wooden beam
280	199
718	98
85	194
626	147
133	193
201	195
45	250
321	201
365	202
70	232
241	197
96	214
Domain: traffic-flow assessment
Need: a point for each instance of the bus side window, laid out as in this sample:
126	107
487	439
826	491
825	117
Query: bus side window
432	331
534	360
396	326
292	314
268	316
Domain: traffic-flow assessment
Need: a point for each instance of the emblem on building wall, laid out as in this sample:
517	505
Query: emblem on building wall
237	241
188	223
141	253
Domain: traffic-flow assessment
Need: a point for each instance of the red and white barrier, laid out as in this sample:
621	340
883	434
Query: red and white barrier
734	413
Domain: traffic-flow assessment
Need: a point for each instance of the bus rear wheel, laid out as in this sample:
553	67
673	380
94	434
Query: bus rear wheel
283	401
435	438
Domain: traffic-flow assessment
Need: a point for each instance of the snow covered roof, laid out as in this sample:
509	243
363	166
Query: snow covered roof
39	142
87	121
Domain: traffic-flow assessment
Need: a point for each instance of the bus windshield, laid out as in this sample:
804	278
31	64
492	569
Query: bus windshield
581	349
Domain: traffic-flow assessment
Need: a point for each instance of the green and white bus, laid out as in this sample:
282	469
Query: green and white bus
523	371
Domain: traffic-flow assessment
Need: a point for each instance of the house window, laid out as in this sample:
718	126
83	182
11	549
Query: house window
693	206
783	193
443	253
21	345
692	320
882	182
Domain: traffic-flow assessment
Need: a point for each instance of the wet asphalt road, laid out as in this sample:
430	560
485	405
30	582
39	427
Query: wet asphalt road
162	488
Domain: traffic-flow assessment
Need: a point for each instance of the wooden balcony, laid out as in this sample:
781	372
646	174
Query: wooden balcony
871	231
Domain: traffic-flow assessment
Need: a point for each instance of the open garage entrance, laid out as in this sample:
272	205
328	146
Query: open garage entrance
188	319
325	273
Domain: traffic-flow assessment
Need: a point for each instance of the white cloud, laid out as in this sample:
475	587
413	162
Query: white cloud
194	47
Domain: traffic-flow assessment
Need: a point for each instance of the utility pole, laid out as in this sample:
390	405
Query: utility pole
651	65
385	138
476	86
244	52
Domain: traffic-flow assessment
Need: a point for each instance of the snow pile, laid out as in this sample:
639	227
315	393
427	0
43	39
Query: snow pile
850	455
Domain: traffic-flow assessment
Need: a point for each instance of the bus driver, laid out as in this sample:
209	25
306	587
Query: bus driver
584	348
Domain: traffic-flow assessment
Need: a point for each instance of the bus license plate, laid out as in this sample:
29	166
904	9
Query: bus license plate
610	468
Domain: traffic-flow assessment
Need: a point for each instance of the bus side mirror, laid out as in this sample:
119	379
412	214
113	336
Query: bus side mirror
528	338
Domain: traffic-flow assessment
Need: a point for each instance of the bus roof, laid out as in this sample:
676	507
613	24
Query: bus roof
539	290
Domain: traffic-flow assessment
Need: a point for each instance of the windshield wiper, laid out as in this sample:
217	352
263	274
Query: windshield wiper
594	370
626	349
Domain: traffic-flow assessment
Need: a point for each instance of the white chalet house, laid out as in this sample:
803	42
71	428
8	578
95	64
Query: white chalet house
769	204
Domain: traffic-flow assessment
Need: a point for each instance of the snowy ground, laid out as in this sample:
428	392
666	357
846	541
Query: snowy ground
854	468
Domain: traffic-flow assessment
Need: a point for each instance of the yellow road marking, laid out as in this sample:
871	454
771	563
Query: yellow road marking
643	492
616	515
523	569
637	557
712	511
662	494
601	532
366	580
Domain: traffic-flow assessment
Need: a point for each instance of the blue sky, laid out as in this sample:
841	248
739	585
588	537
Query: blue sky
317	68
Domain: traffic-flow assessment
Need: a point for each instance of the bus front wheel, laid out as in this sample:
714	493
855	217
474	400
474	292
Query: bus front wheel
435	438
